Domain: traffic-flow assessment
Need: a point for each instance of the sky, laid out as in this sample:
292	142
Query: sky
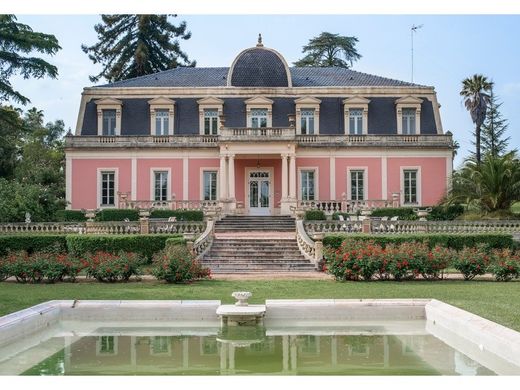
447	49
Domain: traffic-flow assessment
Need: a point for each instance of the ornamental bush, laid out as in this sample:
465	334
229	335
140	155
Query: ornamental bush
181	215
471	261
4	269
353	260
436	261
315	215
31	243
109	267
404	213
403	264
70	216
504	265
176	264
117	215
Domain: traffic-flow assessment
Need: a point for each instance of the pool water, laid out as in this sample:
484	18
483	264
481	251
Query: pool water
297	350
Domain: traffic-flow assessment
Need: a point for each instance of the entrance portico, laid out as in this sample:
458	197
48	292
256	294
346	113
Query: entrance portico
257	179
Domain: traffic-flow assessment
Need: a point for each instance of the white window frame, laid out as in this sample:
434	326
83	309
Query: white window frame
352	103
365	182
418	183
168	351
356	130
108	104
115	171
168	186
316	182
212	131
259	102
202	171
307	103
162	103
258	118
406	121
98	346
408	102
210	103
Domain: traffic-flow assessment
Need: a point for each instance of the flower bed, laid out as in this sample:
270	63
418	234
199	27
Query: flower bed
176	264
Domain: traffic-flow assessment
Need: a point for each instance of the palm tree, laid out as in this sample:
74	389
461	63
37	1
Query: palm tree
477	101
492	185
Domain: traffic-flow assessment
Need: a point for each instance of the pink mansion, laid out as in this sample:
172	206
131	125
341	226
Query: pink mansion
257	138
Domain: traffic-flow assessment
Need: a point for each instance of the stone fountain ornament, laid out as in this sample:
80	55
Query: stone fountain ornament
241	297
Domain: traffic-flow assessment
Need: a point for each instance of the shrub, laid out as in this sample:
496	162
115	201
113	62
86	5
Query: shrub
181	215
402	261
108	267
174	241
437	260
504	265
32	243
335	216
4	269
145	245
117	215
315	215
353	260
70	216
471	262
176	264
452	241
405	213
446	213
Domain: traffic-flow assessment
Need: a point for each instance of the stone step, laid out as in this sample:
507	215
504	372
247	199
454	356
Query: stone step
213	265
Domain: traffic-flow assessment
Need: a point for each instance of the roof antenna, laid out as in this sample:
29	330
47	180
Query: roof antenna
413	30
259	44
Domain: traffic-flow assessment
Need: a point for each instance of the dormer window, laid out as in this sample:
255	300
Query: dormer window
408	115
109	122
259	111
408	110
307	115
210	121
259	117
210	110
109	116
307	121
356	115
161	116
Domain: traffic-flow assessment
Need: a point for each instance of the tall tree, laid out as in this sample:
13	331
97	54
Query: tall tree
328	50
476	99
17	40
494	127
136	45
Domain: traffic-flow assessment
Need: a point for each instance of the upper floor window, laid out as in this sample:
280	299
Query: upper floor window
410	186
160	186
109	122
210	121
162	122
307	121
258	117
307	185
210	185
408	125
106	345
356	121
108	188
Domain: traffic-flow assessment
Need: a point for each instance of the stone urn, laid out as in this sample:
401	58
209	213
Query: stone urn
241	297
422	213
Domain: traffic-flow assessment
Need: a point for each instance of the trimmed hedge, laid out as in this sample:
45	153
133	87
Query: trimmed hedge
404	213
117	215
315	215
445	213
32	243
452	241
174	241
70	216
181	215
144	245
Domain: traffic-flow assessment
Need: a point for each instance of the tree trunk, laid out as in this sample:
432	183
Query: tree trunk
477	143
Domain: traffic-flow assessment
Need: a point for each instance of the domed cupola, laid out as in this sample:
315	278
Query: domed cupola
259	67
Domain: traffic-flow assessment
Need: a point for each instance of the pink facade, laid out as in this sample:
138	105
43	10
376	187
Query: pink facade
145	167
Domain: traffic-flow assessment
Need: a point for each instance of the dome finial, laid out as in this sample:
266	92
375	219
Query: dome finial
259	44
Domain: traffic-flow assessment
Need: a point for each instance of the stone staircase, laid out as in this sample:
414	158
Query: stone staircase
247	244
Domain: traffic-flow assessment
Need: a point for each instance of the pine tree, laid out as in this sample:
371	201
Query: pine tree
328	50
493	130
136	45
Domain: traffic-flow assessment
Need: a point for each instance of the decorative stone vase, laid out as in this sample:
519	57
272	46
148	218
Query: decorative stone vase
241	297
422	214
90	215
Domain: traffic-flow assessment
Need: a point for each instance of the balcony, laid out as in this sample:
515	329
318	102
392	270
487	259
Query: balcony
265	134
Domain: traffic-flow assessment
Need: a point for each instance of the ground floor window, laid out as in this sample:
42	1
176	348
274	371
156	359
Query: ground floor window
108	188
308	185
107	345
160	186
410	186
357	185
210	185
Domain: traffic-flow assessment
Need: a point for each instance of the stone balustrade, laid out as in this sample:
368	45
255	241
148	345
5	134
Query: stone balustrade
343	206
116	227
204	241
313	227
241	134
42	227
205	205
180	227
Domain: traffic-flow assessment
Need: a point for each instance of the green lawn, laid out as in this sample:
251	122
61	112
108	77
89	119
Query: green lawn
496	301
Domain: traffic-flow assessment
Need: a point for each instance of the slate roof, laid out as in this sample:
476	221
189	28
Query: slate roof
258	67
301	77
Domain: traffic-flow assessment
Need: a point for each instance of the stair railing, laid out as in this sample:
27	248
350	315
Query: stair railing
204	241
311	250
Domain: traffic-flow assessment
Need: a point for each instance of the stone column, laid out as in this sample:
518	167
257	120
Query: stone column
185	353
334	350
284	206
292	177
285	353
223	182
